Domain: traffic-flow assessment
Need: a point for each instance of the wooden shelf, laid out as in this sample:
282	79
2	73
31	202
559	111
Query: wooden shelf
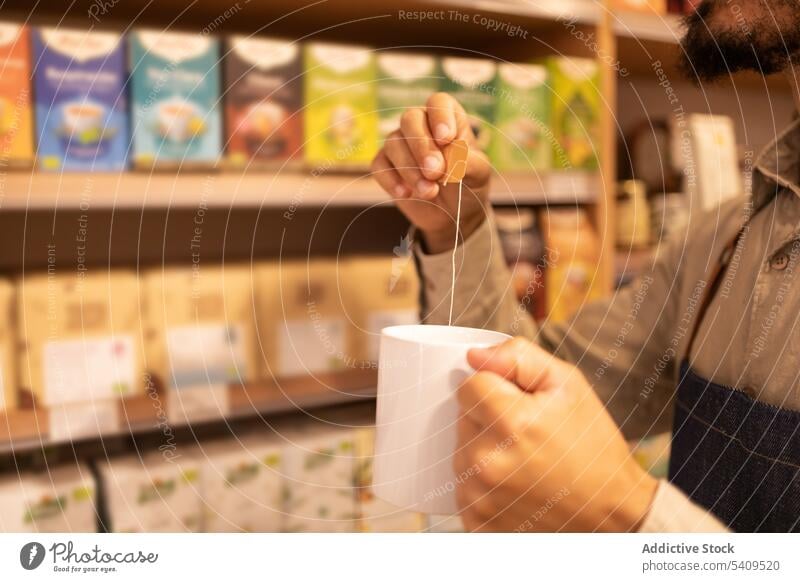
27	429
84	191
648	27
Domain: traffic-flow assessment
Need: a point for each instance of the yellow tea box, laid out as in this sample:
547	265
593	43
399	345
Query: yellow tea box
8	369
154	493
202	325
319	468
79	336
301	320
243	485
379	292
57	501
341	105
376	515
16	111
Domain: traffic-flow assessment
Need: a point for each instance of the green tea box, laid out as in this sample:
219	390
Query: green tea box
404	80
575	112
175	86
472	83
154	492
57	501
341	105
263	101
522	138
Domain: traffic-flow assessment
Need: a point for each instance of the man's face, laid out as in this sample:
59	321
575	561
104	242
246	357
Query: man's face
725	36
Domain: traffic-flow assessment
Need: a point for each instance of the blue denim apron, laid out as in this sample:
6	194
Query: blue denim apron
734	455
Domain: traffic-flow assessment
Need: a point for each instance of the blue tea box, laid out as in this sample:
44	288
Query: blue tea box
81	105
175	80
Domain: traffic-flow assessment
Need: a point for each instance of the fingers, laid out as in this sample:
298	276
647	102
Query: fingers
414	127
446	118
485	398
388	178
400	157
520	361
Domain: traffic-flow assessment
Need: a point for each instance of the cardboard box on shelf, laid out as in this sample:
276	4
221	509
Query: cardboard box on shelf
57	501
376	515
8	346
378	292
522	140
16	115
575	112
154	493
201	329
243	485
341	107
79	336
175	94
404	80
572	261
263	101
301	320
472	83
81	104
320	473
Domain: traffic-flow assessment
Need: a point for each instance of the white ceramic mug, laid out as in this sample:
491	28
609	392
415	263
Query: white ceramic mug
420	368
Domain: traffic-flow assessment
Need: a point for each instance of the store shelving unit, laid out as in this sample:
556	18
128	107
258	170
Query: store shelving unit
630	38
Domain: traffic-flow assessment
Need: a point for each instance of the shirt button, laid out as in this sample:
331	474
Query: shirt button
780	261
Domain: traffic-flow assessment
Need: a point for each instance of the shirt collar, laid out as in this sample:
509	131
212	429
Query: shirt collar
778	164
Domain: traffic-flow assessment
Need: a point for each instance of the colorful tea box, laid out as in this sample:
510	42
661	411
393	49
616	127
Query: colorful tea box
175	81
522	137
302	324
378	292
16	116
471	82
341	114
81	105
243	485
404	80
575	112
79	337
263	101
57	501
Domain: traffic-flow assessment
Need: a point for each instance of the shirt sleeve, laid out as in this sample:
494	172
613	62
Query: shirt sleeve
673	511
626	346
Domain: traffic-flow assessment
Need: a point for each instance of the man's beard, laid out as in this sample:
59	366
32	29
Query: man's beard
767	42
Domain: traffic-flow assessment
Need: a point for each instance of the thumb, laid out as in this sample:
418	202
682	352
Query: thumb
523	363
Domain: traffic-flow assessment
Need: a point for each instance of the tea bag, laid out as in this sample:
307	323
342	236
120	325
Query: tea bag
455	157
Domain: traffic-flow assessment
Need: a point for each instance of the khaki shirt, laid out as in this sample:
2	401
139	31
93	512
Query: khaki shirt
630	346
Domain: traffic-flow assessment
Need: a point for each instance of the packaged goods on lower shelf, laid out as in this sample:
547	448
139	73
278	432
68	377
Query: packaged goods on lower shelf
243	485
201	336
154	493
8	376
376	515
59	500
572	259
320	472
301	321
378	292
79	336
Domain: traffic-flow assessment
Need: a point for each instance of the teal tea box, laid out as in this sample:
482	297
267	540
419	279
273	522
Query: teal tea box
523	139
177	117
472	83
81	108
404	80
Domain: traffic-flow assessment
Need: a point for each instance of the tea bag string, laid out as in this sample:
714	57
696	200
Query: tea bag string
453	256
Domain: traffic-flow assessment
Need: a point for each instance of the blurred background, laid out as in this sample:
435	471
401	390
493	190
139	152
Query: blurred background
196	264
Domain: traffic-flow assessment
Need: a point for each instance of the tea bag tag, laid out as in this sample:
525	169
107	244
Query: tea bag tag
455	158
